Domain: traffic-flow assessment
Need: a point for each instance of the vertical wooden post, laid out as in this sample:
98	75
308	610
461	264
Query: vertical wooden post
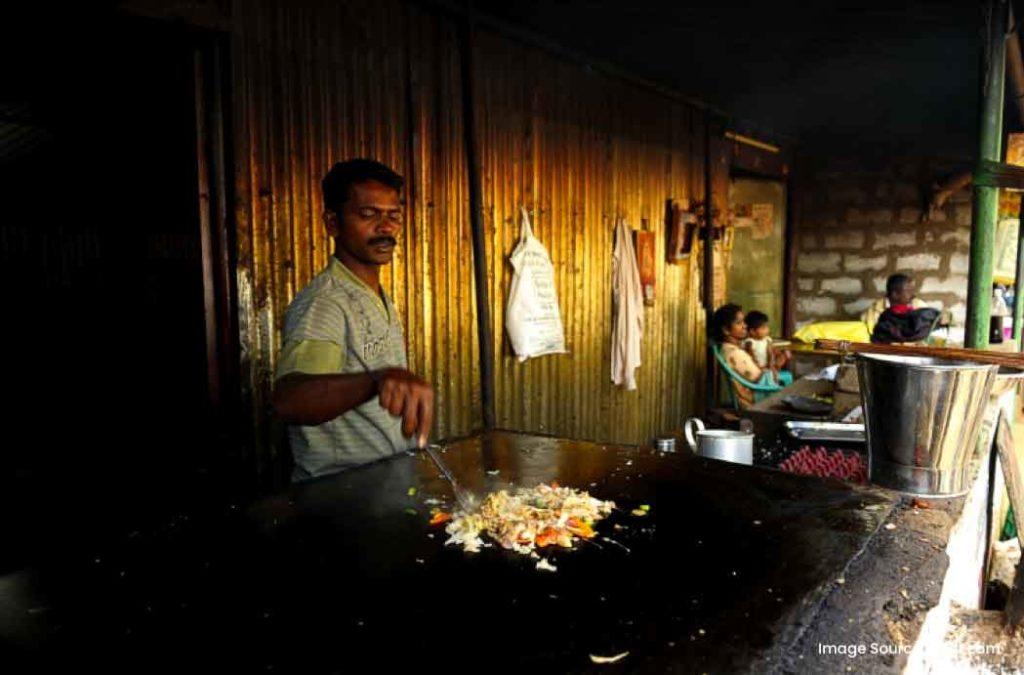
708	290
794	212
476	219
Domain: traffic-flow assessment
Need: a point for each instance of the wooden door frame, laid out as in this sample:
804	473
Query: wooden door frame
788	248
210	54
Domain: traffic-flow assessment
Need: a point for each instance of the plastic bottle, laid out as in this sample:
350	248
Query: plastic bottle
998	311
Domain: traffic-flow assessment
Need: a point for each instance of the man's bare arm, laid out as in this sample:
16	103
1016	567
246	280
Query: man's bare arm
300	398
314	399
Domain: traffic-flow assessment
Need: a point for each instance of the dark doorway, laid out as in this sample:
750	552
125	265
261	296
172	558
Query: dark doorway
114	267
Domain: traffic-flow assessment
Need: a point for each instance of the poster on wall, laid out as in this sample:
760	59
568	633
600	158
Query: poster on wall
762	215
645	258
741	216
1015	149
718	279
1004	267
757	217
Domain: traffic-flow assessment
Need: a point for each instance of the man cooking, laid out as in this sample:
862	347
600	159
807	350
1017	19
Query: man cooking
342	383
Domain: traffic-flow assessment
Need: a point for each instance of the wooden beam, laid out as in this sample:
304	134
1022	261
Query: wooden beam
476	218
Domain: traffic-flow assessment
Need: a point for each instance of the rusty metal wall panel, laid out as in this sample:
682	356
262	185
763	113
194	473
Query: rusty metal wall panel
579	150
315	83
441	276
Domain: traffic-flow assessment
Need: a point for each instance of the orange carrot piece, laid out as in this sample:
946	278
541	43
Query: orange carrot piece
547	537
440	517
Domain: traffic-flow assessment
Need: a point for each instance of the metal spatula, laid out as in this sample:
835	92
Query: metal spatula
464	498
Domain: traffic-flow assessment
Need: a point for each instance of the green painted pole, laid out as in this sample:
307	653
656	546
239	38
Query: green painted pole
985	208
1018	302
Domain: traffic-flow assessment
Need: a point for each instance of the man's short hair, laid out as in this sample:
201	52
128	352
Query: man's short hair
721	320
755	319
337	184
896	282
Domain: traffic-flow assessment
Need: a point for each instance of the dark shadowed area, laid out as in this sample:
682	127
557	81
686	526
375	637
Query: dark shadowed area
897	73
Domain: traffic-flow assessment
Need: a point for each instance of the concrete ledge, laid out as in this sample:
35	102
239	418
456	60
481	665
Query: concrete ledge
893	602
963	581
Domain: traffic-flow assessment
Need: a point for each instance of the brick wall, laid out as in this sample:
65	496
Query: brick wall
859	224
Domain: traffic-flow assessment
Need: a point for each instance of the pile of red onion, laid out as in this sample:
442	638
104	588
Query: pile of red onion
827	464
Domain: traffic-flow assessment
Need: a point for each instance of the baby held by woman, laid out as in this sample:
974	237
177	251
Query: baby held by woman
759	345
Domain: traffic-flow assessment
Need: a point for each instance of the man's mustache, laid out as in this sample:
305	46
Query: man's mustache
383	240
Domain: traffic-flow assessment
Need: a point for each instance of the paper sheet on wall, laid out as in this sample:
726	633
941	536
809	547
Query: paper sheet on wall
763	217
1004	266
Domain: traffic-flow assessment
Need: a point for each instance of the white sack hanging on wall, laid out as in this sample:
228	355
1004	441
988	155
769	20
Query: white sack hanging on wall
532	317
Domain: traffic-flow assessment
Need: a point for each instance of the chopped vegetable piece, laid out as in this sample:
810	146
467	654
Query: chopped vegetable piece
543	564
645	507
547	537
412	511
579	528
440	517
529	518
411	491
638	512
608	659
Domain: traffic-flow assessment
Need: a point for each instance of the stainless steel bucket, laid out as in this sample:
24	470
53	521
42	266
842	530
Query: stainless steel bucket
728	446
922	418
1006	379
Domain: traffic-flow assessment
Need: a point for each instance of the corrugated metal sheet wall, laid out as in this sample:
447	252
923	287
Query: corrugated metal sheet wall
579	150
316	83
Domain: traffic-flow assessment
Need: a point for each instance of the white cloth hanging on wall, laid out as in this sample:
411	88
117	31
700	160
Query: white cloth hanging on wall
627	309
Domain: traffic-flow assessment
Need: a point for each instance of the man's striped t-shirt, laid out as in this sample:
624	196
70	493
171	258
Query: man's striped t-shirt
338	324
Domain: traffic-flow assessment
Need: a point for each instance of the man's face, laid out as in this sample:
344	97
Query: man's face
367	226
903	295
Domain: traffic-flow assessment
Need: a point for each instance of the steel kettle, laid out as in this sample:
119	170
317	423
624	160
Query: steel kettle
722	444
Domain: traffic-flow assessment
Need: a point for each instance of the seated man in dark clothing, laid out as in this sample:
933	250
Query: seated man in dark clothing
904	320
